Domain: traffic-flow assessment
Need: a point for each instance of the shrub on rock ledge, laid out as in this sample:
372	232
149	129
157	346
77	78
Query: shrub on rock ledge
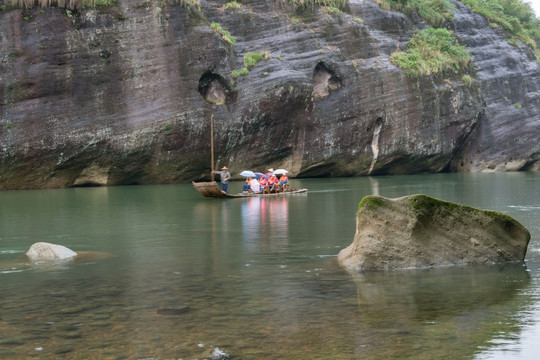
431	51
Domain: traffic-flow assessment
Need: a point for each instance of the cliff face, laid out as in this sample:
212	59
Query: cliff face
124	95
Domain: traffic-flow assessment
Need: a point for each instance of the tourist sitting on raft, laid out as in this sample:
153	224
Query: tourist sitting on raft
245	187
278	183
273	183
283	180
265	184
251	185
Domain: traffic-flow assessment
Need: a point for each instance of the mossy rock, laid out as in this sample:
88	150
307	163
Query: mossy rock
419	231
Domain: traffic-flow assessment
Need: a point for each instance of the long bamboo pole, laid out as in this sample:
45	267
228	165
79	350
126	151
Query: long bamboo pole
212	145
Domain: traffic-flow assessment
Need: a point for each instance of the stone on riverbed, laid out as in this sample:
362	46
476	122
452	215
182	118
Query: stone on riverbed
48	251
419	231
174	311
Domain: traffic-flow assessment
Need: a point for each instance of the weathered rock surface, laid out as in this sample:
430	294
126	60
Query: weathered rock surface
48	251
124	94
419	231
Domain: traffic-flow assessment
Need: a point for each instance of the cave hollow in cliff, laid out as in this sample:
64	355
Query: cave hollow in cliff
325	80
215	89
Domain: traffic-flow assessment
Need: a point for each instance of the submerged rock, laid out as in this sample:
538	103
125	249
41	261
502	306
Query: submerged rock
217	354
174	311
419	231
48	251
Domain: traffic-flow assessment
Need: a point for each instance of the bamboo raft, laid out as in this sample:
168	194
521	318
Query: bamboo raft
211	189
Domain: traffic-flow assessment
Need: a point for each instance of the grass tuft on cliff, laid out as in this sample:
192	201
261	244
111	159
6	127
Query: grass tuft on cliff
331	3
80	4
233	5
431	51
196	4
68	4
252	58
434	12
225	35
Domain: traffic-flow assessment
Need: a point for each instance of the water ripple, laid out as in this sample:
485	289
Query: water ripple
525	207
9	271
11	252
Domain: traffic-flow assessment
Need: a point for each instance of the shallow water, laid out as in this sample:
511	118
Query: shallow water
256	278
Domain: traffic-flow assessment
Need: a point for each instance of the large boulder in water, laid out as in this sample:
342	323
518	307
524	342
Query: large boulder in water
419	231
48	251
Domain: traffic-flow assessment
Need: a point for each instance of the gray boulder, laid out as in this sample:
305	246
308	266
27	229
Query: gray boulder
48	251
419	231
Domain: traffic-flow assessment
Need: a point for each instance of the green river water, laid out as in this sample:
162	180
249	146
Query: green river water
255	278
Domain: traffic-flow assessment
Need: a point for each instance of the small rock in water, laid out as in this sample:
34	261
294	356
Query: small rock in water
48	251
174	311
218	354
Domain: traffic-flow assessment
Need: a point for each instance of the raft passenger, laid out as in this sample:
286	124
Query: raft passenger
273	183
264	183
255	186
247	186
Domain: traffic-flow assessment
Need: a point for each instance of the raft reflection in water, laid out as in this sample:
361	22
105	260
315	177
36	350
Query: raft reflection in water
266	222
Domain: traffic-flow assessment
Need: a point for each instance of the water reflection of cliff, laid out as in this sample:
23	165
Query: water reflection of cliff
266	222
439	313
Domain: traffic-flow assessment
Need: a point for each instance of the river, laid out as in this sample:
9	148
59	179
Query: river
180	276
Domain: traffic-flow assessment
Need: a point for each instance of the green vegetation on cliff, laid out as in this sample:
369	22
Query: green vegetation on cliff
514	16
80	4
225	35
431	51
69	4
233	5
434	12
331	3
250	60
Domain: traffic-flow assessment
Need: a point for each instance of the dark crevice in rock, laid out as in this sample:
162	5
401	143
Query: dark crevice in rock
531	165
455	162
88	184
322	169
215	89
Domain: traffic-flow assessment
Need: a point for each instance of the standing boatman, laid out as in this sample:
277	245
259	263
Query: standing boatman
224	175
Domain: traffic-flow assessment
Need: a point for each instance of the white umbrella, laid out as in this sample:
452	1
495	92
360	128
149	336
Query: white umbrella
280	171
247	173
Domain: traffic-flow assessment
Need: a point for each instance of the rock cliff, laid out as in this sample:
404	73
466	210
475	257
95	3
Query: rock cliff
123	94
